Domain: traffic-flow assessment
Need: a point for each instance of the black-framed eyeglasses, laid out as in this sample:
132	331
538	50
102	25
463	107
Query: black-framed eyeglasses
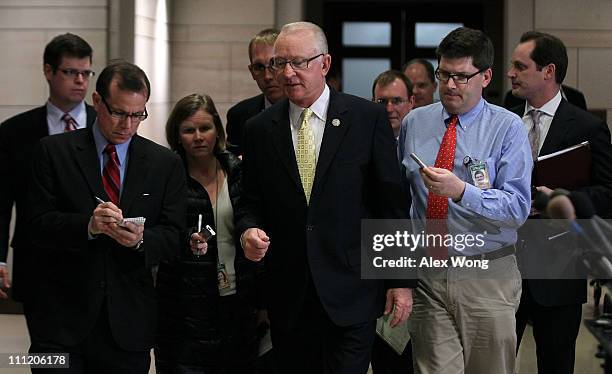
395	101
278	63
73	73
458	78
258	68
135	117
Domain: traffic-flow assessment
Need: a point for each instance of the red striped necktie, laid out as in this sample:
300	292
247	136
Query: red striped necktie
69	123
110	176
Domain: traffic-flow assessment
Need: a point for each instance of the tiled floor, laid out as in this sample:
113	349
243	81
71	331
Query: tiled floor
13	339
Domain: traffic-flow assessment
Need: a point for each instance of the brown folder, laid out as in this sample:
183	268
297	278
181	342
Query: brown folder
569	168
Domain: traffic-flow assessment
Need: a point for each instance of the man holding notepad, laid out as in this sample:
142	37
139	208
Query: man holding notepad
92	190
538	67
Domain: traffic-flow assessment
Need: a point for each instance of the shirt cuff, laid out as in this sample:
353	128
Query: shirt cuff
2	263
471	198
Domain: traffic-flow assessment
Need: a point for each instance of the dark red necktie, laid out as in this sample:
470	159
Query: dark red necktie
69	123
110	175
437	206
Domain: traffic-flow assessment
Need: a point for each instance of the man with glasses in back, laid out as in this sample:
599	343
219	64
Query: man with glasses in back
106	207
393	90
314	166
421	74
464	317
67	69
260	53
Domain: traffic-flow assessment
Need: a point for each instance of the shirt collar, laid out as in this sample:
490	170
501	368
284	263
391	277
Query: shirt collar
550	108
319	108
78	113
101	143
267	103
465	119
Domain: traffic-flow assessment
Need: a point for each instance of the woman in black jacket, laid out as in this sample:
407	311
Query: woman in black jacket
206	296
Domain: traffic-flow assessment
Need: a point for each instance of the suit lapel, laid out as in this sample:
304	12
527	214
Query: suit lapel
332	137
135	175
89	162
561	123
280	132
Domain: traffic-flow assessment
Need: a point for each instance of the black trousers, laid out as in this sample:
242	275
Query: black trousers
386	361
555	329
317	345
98	353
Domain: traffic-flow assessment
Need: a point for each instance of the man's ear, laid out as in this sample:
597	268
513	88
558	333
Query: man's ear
47	71
487	75
549	71
326	65
96	100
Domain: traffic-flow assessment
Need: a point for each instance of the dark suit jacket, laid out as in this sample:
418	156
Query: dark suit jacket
573	96
237	117
357	176
81	274
570	126
19	136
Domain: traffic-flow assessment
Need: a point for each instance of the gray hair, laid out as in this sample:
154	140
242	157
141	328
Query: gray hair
319	35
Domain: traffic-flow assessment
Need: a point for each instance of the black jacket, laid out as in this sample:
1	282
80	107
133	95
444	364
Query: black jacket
191	323
19	136
357	176
236	119
570	126
80	275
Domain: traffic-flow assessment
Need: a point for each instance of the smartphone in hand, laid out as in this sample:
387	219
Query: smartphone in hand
418	160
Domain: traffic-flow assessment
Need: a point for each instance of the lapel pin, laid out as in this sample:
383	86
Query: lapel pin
336	122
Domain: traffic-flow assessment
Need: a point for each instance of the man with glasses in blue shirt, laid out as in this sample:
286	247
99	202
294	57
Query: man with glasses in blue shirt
67	69
314	166
464	317
97	301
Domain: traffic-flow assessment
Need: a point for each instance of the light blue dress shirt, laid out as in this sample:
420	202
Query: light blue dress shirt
486	133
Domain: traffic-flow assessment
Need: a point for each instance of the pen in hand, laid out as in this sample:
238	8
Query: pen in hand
199	230
100	201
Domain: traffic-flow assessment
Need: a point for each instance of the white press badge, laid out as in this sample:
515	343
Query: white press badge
480	174
222	277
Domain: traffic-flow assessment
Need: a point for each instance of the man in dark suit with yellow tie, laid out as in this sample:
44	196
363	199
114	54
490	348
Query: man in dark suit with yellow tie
96	296
67	69
314	166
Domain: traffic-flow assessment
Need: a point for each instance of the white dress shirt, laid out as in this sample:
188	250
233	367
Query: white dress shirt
55	123
548	112
317	120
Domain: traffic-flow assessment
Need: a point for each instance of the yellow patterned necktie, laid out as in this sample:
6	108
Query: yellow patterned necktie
305	153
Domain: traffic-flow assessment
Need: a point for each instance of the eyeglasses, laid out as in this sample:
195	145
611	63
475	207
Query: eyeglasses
296	64
135	117
458	78
73	73
258	68
395	101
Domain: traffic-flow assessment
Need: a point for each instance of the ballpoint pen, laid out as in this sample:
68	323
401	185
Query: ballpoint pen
199	229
